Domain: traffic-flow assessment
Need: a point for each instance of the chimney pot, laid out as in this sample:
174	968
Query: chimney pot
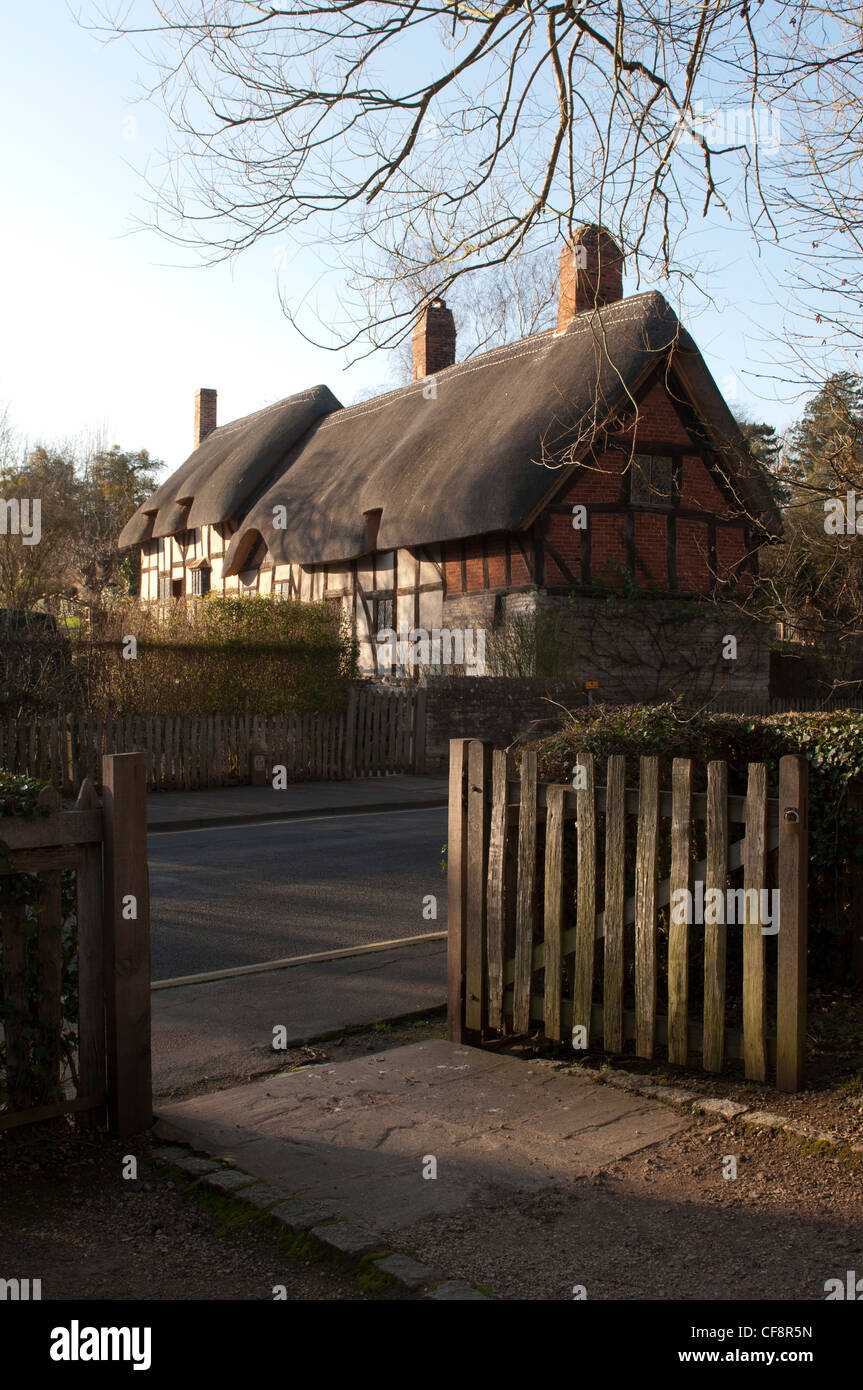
591	273
433	340
205	413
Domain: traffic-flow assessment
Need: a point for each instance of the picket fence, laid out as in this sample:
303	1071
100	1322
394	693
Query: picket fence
380	732
104	843
528	861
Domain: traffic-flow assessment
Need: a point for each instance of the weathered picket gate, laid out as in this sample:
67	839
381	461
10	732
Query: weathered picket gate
105	846
528	861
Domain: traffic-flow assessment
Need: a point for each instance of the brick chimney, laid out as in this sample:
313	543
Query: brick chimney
205	414
433	340
591	273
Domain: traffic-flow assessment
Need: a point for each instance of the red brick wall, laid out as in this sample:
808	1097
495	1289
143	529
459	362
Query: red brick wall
657	420
602	482
692	555
567	542
730	550
452	567
496	562
651	548
608	548
699	491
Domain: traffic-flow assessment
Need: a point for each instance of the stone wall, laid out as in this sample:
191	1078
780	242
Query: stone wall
501	709
639	651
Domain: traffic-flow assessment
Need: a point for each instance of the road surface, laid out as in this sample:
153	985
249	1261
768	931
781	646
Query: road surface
238	895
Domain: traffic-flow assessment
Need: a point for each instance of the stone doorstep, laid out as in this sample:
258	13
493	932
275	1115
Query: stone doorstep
344	1239
716	1105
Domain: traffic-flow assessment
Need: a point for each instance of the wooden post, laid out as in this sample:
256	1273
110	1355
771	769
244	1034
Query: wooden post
645	907
615	879
754	880
456	856
552	908
715	934
495	927
793	907
678	929
476	880
525	892
585	926
127	943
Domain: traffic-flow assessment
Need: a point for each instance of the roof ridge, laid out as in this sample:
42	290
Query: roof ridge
584	321
243	420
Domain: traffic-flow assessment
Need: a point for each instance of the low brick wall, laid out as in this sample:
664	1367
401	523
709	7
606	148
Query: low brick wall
498	708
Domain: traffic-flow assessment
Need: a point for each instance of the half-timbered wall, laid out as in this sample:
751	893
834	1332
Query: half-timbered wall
689	541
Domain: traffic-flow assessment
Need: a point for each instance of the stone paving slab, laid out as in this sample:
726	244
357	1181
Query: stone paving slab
355	1139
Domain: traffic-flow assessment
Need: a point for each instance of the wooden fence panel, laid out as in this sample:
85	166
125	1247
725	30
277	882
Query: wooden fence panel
754	880
553	907
793	905
526	890
382	732
645	908
615	880
585	924
499	942
495	926
678	926
713	1043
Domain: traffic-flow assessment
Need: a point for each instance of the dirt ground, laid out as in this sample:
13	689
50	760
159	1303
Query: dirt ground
665	1224
69	1218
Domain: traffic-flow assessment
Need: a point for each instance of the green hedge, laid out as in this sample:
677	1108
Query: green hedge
832	743
214	656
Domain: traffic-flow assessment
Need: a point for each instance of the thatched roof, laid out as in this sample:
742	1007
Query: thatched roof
476	457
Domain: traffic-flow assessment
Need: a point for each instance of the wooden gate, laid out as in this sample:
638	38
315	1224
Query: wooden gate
107	1071
528	948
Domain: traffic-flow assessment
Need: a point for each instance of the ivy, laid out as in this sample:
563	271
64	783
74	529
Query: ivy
19	900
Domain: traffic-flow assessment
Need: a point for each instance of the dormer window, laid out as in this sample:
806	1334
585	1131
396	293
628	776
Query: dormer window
373	522
200	574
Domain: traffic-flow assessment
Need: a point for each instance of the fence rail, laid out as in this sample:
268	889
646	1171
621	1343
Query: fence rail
107	1072
380	732
528	946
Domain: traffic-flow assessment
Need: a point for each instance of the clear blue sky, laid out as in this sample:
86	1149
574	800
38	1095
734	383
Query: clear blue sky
108	330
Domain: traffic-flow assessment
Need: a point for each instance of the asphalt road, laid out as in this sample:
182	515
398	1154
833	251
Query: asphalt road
238	895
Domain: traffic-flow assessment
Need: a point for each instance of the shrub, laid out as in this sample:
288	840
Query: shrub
831	741
216	656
